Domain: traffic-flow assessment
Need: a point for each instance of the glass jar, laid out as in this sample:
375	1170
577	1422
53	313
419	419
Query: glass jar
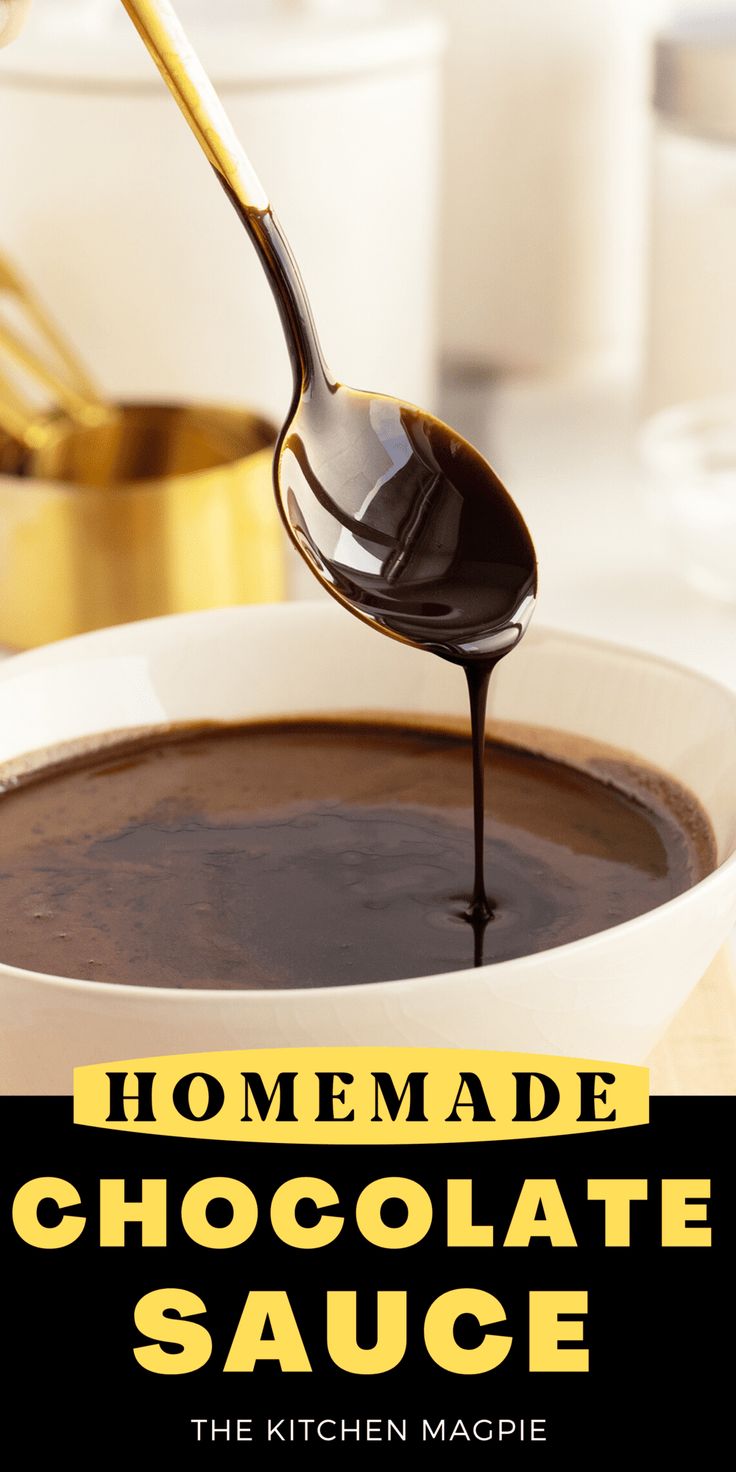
690	453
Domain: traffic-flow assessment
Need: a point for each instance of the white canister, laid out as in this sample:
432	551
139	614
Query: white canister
545	181
111	212
691	352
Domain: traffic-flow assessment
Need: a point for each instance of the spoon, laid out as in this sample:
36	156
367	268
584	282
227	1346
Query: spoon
399	518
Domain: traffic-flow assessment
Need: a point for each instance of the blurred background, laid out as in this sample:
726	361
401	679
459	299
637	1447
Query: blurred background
519	213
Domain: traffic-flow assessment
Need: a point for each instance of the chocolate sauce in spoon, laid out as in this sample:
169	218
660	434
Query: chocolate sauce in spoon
395	513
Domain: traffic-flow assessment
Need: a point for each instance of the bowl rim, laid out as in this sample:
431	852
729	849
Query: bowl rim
229	997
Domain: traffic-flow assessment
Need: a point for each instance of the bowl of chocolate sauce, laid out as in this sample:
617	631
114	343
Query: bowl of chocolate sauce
254	826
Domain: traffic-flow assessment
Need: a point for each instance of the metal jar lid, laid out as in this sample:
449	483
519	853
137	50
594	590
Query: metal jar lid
695	74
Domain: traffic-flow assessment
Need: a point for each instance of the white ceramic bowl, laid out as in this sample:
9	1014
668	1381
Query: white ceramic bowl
608	996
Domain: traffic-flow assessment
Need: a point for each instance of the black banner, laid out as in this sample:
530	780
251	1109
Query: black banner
654	1325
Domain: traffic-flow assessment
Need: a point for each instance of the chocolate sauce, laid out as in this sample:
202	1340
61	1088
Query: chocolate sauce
323	854
396	514
399	517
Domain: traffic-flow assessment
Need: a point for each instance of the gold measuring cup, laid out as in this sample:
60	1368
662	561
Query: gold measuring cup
116	512
158	509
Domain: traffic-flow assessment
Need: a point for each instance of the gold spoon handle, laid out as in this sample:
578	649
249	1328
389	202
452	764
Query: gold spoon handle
186	79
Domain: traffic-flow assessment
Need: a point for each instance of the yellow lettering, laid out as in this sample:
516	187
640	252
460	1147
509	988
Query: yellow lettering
548	1333
166	1316
219	1188
342	1335
373	1198
617	1197
25	1212
526	1222
115	1211
439	1332
283	1212
249	1345
681	1209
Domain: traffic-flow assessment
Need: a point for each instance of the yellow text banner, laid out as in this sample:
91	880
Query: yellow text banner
360	1096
